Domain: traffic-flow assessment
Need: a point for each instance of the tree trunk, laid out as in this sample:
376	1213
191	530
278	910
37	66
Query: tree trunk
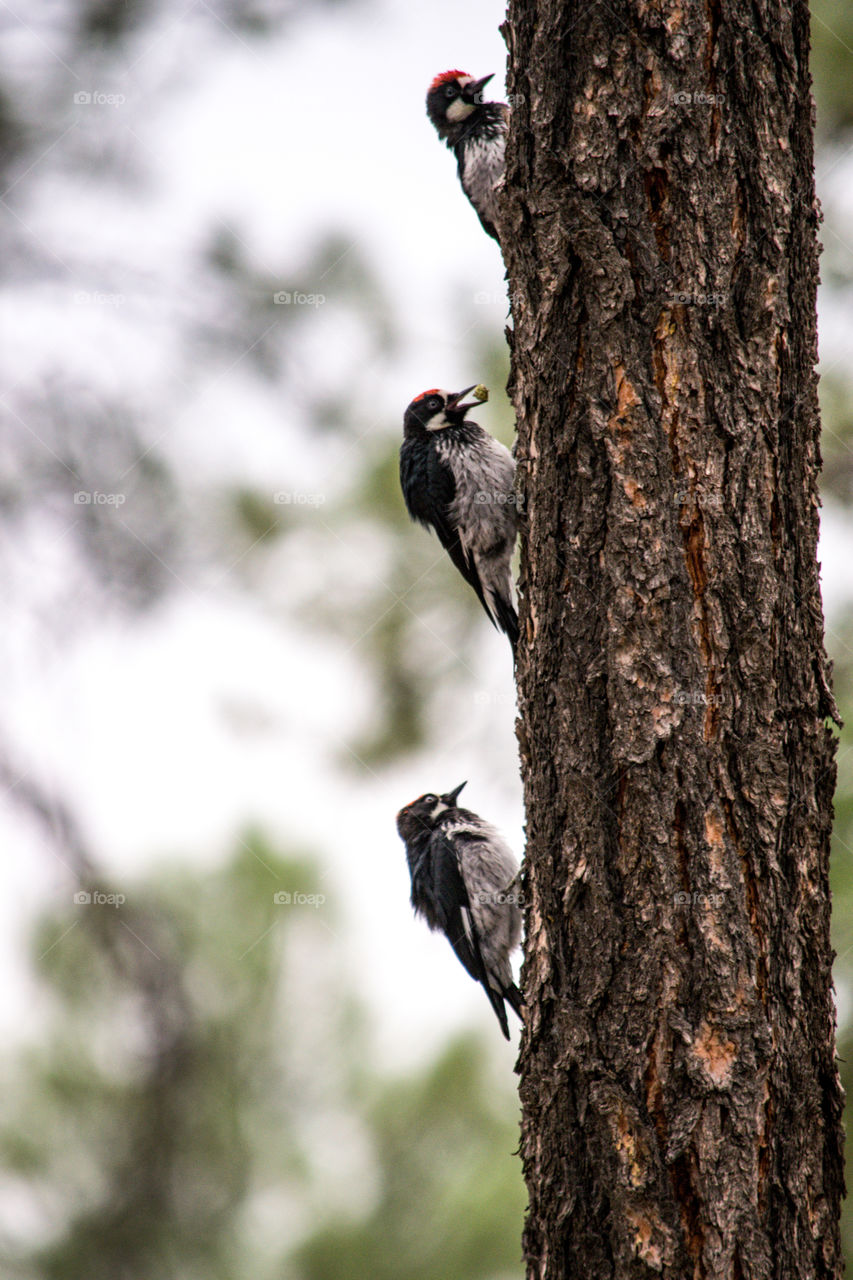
681	1105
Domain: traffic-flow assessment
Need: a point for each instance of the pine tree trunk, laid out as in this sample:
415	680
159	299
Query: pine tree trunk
681	1105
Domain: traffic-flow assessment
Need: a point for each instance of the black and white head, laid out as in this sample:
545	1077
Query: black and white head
434	410
422	816
452	98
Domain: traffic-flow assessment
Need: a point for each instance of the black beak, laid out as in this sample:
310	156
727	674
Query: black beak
453	402
452	796
474	90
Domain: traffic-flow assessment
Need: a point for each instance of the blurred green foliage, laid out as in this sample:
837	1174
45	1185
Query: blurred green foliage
832	67
450	1197
840	644
832	58
201	1046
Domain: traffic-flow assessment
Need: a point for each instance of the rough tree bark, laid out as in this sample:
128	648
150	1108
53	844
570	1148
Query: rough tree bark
681	1105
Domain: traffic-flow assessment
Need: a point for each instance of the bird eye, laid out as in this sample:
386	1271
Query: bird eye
434	402
450	90
430	799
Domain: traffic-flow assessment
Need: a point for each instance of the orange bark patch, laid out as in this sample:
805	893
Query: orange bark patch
626	1145
620	425
635	494
714	838
649	1237
716	1056
626	396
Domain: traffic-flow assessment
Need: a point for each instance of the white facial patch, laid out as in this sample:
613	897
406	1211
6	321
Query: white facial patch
438	421
439	808
459	110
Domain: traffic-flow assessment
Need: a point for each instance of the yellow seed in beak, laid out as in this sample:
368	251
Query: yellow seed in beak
480	393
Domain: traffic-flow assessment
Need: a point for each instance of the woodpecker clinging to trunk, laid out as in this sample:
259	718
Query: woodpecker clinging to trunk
458	480
462	883
476	131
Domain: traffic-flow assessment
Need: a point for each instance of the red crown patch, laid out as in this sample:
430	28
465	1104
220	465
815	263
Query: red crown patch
433	391
448	75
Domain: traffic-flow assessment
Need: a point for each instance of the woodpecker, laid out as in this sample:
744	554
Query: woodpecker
458	480
462	883
476	132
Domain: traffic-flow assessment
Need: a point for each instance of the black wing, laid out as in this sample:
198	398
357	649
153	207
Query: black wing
507	619
489	227
464	562
441	481
428	490
422	487
503	616
456	920
514	996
